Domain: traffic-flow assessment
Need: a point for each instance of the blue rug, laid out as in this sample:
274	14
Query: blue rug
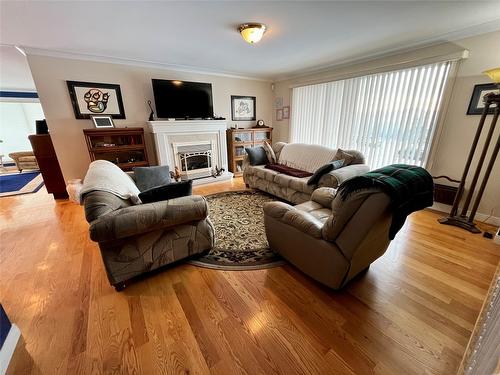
20	183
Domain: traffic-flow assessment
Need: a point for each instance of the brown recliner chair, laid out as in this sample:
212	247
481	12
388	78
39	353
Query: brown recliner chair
329	239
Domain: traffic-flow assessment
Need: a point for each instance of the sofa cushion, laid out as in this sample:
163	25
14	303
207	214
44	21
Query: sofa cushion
345	157
262	172
98	203
271	156
149	177
295	183
305	157
169	191
257	155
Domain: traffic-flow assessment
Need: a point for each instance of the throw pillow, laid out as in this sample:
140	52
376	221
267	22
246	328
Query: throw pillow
256	155
149	177
341	154
331	166
271	157
165	192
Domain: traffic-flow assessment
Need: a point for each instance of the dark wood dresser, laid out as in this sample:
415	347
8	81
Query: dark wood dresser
49	165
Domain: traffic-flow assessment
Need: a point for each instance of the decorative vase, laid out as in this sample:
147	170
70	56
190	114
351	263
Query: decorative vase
73	188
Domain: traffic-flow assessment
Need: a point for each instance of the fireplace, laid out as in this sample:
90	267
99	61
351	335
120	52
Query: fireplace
194	159
200	143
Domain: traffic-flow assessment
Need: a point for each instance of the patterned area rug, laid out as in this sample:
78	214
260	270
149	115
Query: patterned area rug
240	238
20	183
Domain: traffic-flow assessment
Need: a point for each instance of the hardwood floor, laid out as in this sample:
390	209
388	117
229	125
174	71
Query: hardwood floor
412	313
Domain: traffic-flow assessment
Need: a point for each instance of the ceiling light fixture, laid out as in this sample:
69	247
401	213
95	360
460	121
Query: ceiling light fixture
252	32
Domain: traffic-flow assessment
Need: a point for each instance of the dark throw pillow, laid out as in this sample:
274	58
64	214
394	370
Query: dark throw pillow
149	177
331	166
165	192
256	155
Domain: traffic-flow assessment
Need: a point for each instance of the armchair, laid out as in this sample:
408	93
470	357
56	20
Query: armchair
135	239
329	239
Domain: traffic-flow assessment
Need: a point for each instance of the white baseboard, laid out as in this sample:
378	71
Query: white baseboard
8	348
493	220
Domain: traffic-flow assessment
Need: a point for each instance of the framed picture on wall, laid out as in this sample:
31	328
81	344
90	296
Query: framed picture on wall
90	98
476	105
102	121
243	108
286	113
279	114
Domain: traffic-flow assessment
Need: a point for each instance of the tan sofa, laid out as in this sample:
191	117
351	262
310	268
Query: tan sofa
304	157
24	160
329	239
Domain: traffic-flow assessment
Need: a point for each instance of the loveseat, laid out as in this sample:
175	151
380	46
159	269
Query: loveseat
138	238
305	157
24	160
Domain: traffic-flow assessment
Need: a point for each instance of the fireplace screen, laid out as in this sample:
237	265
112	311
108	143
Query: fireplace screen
191	161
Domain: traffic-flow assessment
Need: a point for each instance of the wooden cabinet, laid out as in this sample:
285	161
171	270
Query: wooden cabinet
239	139
124	147
49	165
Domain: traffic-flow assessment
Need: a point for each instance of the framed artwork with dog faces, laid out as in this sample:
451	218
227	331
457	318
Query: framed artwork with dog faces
90	98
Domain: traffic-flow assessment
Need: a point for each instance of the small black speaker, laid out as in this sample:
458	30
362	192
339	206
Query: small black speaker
41	127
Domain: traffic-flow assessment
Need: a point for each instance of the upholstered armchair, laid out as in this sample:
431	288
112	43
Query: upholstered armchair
135	239
24	160
330	239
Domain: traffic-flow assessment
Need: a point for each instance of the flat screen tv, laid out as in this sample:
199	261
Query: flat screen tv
182	99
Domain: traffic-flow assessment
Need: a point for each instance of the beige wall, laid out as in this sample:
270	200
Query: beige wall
458	128
50	75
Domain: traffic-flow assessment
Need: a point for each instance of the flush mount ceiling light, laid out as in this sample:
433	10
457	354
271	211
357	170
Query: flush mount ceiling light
252	32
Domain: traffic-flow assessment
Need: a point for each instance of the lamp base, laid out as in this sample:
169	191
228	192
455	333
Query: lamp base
461	222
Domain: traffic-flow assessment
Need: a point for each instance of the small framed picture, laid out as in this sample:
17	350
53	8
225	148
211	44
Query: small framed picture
89	98
476	105
102	121
286	113
243	108
279	114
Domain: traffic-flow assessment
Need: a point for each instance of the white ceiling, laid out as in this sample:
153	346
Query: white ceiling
303	35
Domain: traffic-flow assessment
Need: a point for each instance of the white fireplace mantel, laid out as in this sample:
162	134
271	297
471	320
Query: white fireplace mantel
166	133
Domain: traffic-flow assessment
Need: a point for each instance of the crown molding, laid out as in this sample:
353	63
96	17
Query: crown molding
452	36
33	51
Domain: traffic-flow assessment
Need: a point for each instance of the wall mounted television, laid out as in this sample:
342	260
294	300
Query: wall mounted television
182	99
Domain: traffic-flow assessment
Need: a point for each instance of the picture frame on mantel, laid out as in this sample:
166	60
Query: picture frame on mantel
476	105
243	108
90	98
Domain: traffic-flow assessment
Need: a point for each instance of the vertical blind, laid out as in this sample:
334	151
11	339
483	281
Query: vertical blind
390	117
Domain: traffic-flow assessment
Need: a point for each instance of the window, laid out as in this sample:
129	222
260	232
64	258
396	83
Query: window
17	121
390	117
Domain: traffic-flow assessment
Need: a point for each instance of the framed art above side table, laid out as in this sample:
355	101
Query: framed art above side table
476	104
243	108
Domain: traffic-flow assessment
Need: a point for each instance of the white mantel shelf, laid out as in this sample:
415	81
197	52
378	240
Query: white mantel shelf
164	133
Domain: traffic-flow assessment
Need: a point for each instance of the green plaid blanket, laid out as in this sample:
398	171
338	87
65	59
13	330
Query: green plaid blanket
410	188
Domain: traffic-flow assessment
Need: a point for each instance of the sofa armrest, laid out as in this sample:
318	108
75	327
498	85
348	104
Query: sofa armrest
298	219
134	220
335	178
324	196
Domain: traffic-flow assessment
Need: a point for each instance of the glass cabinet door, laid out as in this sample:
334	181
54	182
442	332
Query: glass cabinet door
261	136
242	137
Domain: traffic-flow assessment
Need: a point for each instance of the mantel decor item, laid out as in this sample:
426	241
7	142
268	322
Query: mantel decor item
152	113
90	98
465	219
242	108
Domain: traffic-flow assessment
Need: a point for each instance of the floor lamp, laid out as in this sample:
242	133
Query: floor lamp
462	220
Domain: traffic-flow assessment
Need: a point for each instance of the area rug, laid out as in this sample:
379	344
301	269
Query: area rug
240	238
20	183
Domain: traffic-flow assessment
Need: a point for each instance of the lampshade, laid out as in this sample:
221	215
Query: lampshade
252	32
494	74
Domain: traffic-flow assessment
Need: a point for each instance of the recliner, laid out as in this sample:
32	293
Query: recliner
330	239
